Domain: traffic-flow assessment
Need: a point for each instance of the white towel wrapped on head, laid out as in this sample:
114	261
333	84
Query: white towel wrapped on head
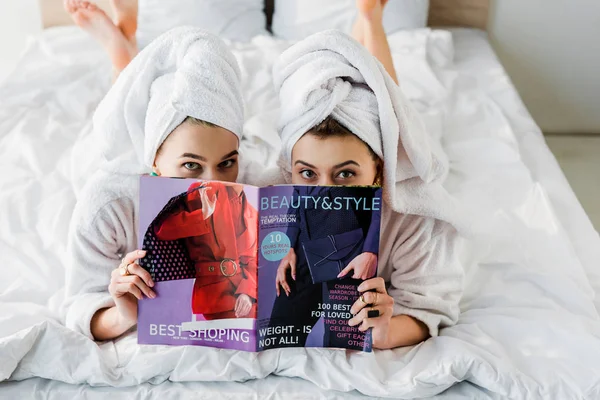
185	72
331	74
172	78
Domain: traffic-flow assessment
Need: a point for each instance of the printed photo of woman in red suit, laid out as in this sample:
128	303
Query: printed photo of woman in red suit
218	226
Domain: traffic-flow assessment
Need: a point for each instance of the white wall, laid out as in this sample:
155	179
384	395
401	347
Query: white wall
18	20
551	50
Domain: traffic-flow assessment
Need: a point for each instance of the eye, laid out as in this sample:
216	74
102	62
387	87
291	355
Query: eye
227	163
192	166
346	174
307	174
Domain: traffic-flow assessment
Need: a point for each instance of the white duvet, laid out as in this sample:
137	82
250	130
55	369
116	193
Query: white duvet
529	327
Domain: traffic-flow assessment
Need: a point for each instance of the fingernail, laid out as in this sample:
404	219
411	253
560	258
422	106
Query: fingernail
152	295
151	284
140	252
294	276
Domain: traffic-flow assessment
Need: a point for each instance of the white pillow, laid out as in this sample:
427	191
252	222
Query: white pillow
238	20
296	19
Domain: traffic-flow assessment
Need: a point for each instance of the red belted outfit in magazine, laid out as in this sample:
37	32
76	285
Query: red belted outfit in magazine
218	225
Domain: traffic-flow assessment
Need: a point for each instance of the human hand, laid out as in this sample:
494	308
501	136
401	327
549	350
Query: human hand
364	266
289	261
243	305
373	309
128	283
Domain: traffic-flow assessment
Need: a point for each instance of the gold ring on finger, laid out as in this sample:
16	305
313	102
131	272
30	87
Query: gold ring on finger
376	296
124	270
362	298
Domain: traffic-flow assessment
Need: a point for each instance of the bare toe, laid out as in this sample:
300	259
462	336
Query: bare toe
366	6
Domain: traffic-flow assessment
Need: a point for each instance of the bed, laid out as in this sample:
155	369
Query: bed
529	328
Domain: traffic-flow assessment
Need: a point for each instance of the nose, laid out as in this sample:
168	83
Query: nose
326	181
209	174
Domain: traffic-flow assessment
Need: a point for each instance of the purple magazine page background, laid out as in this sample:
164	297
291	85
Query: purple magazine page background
267	270
160	319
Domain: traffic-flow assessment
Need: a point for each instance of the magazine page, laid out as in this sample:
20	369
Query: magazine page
308	235
201	244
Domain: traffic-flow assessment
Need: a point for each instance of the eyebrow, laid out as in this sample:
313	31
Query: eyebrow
340	165
228	155
305	163
192	155
197	157
349	162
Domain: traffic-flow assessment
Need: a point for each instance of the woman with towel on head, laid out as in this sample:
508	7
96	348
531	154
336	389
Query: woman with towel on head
343	119
175	111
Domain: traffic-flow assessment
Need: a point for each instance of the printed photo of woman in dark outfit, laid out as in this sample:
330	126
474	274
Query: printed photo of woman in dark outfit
216	223
328	248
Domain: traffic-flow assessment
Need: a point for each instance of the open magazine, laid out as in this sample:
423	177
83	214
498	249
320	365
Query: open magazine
216	250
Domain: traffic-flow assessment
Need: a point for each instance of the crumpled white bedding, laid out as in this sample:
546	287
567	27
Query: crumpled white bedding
528	329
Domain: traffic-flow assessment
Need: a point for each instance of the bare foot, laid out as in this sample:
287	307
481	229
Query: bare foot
95	21
126	12
371	10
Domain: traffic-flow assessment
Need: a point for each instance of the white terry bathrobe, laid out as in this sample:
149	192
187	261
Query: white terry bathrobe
330	74
185	72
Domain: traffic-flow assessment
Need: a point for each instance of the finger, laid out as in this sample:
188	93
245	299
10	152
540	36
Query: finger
128	287
357	306
293	265
377	284
363	316
357	319
116	273
130	258
371	299
284	283
137	281
369	323
277	286
346	270
136	269
286	287
364	300
281	278
359	275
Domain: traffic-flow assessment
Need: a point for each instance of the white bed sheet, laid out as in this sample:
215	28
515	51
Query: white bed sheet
528	329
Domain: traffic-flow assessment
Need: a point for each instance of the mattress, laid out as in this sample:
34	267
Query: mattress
529	326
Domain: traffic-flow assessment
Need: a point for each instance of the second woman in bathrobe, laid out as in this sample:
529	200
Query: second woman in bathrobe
344	120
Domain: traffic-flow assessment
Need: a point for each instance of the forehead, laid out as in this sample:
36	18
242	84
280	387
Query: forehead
204	140
329	150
